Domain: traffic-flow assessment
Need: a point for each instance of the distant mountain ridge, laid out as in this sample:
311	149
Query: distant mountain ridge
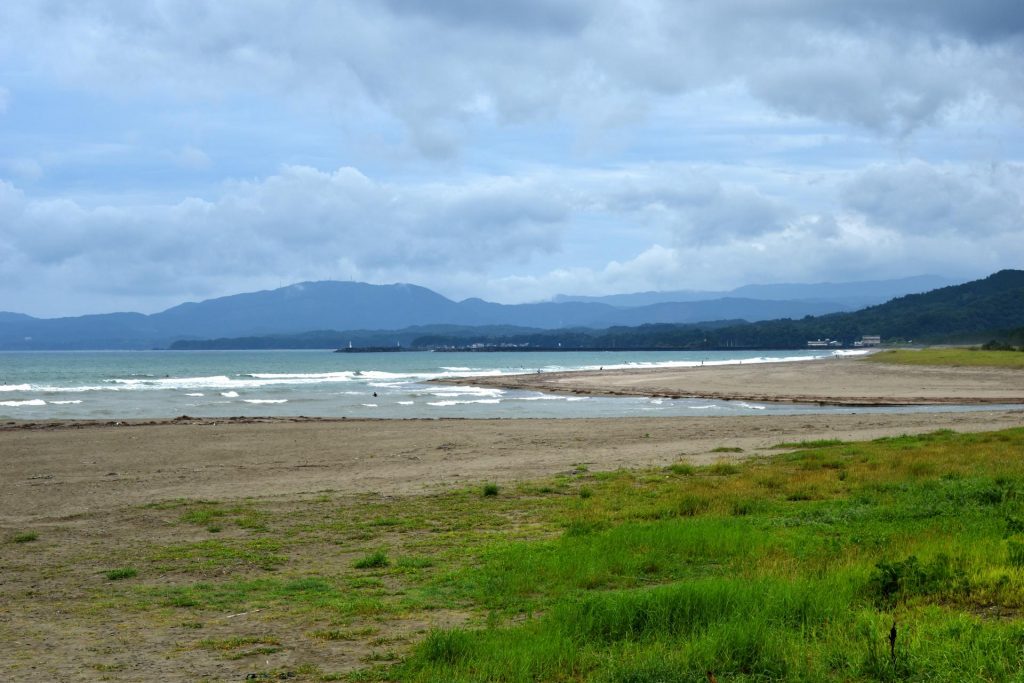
842	295
333	305
977	311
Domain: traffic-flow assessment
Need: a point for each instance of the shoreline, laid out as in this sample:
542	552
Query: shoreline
53	470
832	381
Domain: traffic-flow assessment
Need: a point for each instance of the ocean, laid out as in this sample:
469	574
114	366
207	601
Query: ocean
110	385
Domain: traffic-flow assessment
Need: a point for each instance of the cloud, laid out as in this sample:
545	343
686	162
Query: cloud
26	169
192	158
711	213
445	68
298	224
921	199
576	231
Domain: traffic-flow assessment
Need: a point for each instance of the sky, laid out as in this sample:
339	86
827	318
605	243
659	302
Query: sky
160	151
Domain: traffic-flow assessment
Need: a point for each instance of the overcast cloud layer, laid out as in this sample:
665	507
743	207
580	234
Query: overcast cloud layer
161	151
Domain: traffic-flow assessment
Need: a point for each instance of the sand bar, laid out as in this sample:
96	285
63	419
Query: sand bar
54	473
834	381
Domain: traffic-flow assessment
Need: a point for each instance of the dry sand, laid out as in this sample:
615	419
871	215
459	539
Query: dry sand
53	472
834	381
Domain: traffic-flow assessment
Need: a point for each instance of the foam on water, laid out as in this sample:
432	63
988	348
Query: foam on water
90	385
344	376
443	404
443	392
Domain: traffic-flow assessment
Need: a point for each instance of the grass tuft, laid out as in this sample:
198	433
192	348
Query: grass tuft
121	573
372	561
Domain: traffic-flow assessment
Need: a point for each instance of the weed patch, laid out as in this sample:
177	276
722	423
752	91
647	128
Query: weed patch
121	573
374	560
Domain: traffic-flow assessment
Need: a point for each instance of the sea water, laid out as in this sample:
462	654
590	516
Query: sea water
164	384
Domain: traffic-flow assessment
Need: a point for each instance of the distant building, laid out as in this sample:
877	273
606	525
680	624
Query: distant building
869	340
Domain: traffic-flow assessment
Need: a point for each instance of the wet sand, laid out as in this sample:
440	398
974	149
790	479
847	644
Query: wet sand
835	381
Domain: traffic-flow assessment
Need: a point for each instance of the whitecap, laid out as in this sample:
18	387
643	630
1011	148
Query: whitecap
244	381
229	394
64	403
442	392
195	395
19	404
15	387
345	376
750	406
265	400
406	403
445	404
368	405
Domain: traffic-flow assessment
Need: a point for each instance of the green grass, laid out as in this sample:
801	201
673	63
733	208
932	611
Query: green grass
224	555
950	356
374	560
682	468
819	443
799	580
24	537
789	567
121	573
490	490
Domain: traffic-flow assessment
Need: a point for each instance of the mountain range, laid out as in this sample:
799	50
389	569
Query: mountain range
991	308
838	296
332	305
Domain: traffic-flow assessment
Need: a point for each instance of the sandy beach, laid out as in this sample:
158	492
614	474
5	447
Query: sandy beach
836	381
54	472
51	470
83	487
